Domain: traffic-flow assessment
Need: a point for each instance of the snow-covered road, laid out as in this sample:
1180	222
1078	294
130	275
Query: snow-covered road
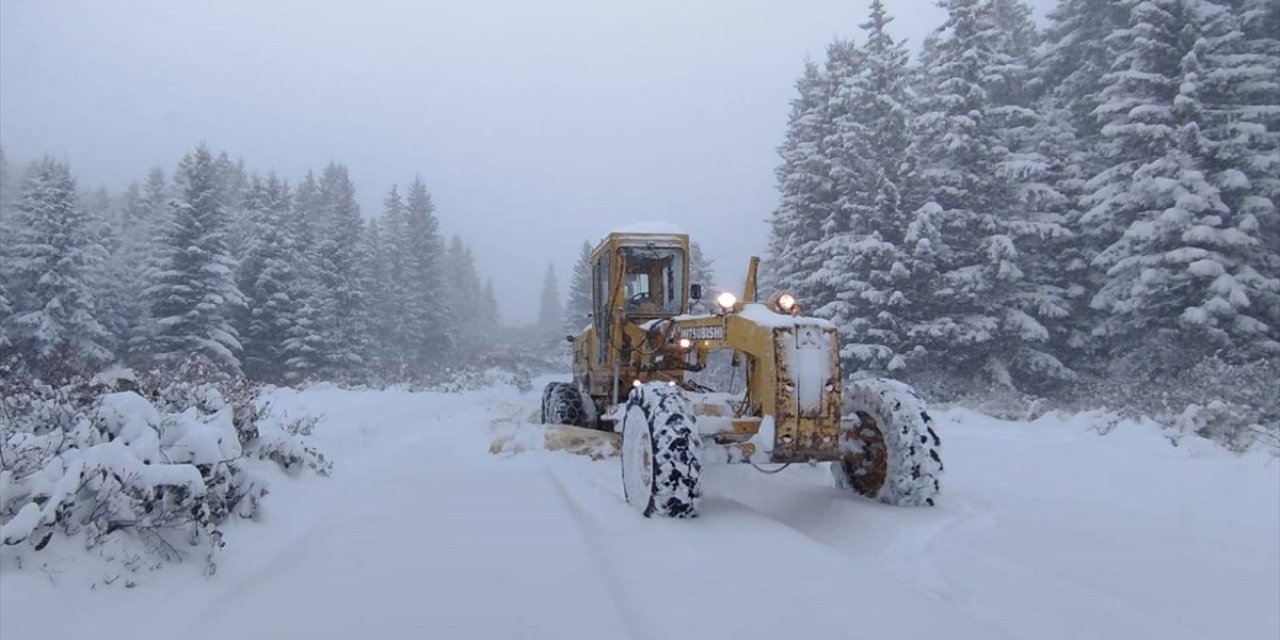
1046	530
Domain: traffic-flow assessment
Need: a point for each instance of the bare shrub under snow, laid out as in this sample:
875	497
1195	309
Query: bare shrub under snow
140	472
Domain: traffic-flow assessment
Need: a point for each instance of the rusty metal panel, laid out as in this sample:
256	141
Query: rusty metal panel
807	425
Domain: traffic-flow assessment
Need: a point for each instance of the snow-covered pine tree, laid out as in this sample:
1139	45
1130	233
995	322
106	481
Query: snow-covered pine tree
976	320
550	314
826	271
343	315
1179	283
490	317
233	188
6	186
267	279
804	184
6	231
381	360
462	288
1242	113
50	265
109	282
701	272
193	293
304	219
577	307
305	347
849	164
385	287
427	308
1036	218
701	269
1079	52
847	169
152	215
865	267
6	312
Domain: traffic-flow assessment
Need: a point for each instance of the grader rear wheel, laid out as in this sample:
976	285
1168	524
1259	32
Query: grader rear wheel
562	404
892	453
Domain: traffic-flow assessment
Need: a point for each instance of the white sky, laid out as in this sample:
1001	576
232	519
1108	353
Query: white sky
536	125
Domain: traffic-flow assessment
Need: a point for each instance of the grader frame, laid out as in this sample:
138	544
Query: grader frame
791	362
630	376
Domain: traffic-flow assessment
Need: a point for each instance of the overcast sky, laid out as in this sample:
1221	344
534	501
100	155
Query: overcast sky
536	125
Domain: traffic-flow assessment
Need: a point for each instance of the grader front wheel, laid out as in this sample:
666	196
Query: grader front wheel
661	453
892	453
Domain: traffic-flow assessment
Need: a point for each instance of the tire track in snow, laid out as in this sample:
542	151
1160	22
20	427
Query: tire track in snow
635	627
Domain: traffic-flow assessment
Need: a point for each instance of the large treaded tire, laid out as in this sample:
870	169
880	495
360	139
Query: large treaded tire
661	453
897	458
562	404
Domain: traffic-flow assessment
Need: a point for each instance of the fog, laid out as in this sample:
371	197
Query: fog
535	125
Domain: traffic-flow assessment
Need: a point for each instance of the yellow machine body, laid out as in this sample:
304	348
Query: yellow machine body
641	330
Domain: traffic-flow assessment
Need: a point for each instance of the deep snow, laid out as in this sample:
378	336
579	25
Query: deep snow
1045	530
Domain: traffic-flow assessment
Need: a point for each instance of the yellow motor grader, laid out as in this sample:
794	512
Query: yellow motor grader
632	371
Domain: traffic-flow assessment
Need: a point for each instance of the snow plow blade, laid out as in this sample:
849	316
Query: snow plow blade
592	443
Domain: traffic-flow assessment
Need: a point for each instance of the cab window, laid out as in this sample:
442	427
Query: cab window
654	281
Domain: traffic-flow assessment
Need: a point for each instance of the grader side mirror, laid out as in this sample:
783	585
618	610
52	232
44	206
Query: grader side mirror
695	292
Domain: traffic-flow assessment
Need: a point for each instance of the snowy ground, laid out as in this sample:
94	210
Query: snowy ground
1047	530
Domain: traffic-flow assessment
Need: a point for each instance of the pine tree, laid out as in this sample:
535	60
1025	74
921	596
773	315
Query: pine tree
805	190
7	192
305	220
427	307
490	315
550	316
847	168
385	288
267	279
463	293
51	267
701	269
865	269
6	186
1242	113
577	308
193	294
115	283
1079	53
6	313
233	188
340	302
1037	216
701	272
979	316
1178	280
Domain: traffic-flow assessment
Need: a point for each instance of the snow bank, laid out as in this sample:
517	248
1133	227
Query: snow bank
1062	527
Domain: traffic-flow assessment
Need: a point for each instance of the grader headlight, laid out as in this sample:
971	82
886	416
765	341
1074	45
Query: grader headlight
785	303
726	301
685	343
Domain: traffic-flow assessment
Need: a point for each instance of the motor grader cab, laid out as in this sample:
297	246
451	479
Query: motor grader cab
630	376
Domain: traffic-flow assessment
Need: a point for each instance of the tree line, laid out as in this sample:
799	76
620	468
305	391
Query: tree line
1033	208
282	283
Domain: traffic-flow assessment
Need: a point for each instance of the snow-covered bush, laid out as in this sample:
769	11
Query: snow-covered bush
1234	404
141	472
